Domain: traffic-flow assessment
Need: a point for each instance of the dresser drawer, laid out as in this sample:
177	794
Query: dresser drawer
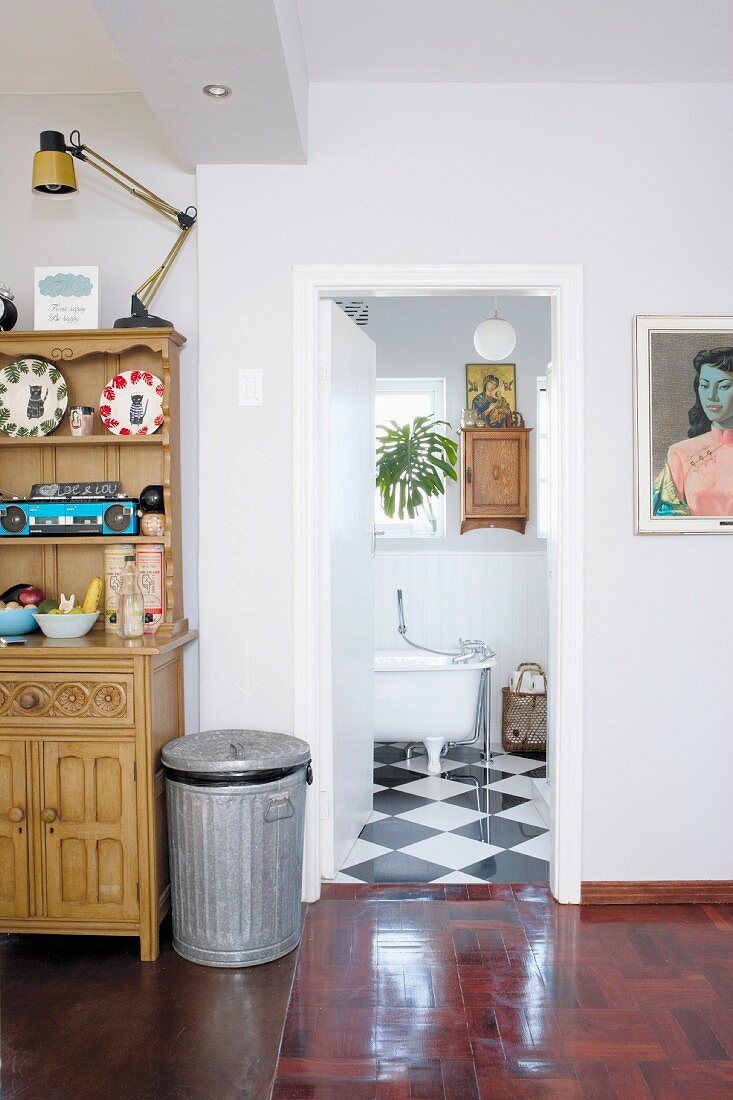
60	700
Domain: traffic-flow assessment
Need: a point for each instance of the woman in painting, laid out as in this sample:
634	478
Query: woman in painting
697	479
491	405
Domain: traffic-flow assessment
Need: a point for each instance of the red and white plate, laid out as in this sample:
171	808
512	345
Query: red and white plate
132	403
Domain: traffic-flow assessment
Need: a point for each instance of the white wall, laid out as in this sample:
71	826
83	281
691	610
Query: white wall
100	225
633	183
433	338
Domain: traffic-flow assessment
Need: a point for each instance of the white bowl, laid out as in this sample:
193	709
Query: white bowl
66	626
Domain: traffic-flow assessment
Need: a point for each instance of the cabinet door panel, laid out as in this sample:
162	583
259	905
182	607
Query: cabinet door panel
14	877
91	845
495	487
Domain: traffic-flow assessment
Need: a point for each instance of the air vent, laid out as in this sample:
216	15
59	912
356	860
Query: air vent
355	308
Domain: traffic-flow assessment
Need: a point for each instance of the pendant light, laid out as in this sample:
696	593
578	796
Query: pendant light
494	338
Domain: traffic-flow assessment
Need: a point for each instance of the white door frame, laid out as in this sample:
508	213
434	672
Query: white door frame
311	504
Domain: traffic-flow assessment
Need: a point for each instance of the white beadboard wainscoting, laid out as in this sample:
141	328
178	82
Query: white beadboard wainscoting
498	597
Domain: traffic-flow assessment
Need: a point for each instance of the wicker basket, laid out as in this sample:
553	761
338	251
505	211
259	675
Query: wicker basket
524	715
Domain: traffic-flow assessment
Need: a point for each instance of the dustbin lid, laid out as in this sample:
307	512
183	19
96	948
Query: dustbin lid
234	752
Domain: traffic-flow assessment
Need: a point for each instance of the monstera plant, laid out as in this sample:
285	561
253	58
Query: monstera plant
413	461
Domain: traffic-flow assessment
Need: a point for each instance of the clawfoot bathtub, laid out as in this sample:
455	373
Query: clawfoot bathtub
424	697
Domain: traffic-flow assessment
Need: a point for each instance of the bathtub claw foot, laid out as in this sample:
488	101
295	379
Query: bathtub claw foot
434	747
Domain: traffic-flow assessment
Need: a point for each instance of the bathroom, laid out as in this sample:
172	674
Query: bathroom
476	603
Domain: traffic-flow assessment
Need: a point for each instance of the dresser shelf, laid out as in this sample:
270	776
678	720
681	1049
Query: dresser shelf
107	440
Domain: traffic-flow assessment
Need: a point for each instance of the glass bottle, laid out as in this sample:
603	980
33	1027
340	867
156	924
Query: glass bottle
130	602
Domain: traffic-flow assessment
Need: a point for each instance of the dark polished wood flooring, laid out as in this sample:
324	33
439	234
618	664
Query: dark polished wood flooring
492	992
81	1018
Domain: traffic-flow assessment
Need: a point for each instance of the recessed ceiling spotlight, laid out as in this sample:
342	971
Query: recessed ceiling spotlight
218	91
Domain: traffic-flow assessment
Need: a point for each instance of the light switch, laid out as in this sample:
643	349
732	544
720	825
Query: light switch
250	386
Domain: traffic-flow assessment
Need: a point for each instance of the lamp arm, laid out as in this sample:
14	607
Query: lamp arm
184	218
147	290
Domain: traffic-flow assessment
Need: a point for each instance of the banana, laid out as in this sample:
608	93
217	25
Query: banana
93	595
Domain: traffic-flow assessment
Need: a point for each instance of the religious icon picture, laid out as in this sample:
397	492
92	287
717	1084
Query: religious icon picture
684	425
491	392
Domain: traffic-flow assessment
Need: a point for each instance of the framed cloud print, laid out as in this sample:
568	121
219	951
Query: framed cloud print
683	380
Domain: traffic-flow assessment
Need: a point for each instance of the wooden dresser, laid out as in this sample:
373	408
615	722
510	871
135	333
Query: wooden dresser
494	478
82	800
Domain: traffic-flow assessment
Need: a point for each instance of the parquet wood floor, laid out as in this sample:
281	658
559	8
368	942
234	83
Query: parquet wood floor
489	992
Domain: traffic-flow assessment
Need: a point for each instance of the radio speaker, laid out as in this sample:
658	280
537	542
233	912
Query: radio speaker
13	520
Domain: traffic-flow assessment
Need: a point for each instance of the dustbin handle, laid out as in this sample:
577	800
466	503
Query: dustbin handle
279	807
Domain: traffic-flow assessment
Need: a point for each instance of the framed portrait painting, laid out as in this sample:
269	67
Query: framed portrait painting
491	392
683	379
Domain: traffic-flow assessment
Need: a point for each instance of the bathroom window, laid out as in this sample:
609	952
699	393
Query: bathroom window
543	460
402	399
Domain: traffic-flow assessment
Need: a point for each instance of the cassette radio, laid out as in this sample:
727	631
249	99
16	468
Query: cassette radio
36	518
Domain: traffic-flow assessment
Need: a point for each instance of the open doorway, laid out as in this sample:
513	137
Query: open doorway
559	295
469	567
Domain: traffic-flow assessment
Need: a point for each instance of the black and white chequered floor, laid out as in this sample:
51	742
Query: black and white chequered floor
455	827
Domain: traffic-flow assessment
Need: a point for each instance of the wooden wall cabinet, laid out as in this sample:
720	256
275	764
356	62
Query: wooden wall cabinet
83	845
494	478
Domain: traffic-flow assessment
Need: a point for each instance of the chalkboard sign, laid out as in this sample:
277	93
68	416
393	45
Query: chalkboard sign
79	490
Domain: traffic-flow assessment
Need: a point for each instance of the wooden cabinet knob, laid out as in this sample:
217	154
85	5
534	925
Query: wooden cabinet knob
469	475
30	699
48	815
496	473
16	813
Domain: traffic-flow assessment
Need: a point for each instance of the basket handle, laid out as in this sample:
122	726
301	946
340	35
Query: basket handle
529	664
530	667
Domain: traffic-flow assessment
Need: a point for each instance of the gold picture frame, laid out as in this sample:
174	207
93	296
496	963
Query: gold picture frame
491	392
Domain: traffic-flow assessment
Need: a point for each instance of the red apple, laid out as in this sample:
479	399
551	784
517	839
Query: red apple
30	595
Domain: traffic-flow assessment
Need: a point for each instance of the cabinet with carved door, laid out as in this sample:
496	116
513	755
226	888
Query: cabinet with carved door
90	831
494	478
14	867
82	792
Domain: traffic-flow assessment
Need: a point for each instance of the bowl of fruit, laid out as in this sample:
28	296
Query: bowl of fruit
17	605
66	619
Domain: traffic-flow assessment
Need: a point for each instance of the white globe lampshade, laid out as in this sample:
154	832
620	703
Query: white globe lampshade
494	339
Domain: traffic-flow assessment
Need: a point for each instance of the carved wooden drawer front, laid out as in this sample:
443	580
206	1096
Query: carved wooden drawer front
53	699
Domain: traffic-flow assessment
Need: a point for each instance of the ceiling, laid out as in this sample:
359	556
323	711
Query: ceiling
58	48
490	41
269	50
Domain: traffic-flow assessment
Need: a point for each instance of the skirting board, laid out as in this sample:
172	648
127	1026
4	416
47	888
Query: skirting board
684	892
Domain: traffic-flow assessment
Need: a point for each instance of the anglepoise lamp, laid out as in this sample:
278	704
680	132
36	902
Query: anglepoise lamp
53	174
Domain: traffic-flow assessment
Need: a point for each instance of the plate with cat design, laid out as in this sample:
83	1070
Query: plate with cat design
132	403
33	397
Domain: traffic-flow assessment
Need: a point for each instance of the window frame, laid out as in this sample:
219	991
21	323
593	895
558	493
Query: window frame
386	529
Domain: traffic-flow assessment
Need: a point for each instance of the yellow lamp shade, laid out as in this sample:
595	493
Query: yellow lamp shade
53	167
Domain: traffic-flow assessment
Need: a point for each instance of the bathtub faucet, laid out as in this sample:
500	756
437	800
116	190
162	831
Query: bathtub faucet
472	650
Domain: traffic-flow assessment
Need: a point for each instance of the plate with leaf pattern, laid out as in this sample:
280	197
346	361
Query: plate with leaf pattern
33	397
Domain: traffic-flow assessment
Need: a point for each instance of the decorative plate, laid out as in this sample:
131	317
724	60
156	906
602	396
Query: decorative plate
132	403
33	397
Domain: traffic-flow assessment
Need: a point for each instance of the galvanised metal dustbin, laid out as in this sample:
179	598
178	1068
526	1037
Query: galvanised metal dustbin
236	810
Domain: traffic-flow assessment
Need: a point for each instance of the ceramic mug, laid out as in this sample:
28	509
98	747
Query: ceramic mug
81	420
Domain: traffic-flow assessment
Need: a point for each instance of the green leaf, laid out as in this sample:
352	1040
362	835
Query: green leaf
48	426
62	391
4	415
412	462
12	373
22	431
54	374
23	366
39	368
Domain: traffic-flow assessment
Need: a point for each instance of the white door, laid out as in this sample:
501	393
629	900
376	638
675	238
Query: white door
348	364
